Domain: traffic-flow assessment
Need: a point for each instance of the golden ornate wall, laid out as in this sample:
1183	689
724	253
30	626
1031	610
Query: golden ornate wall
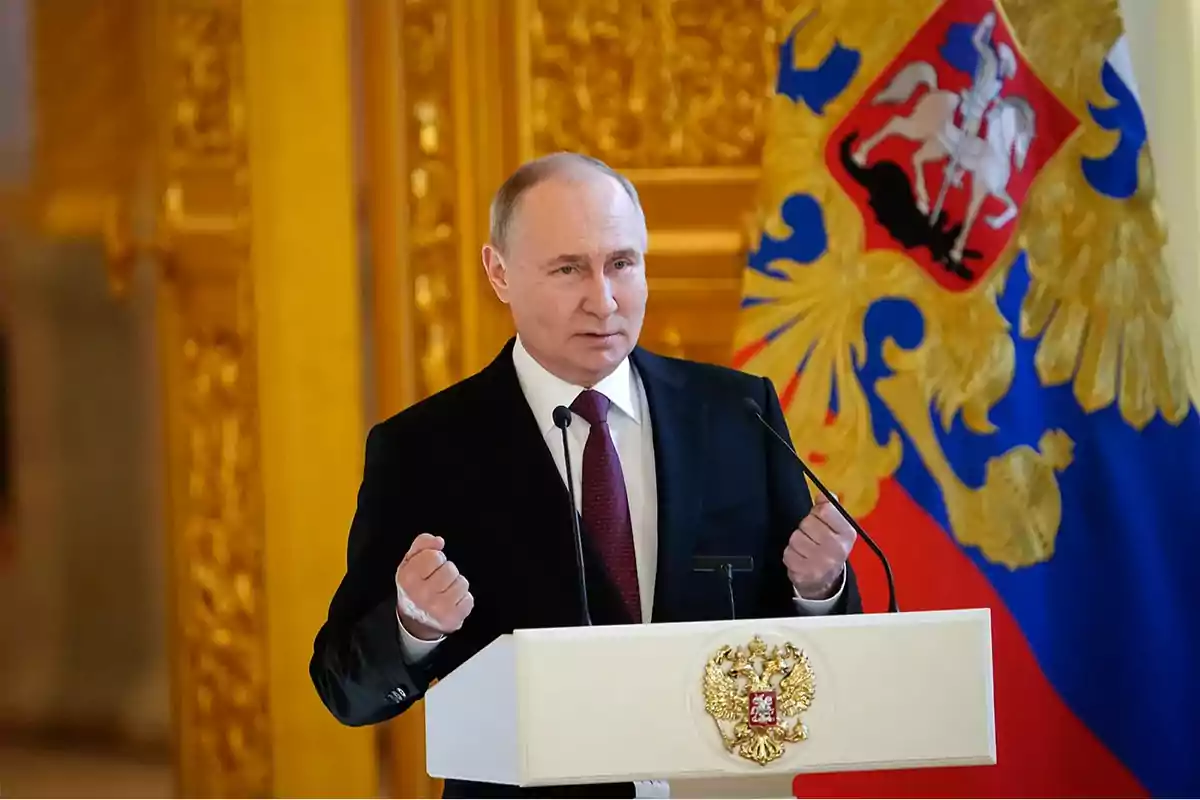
180	133
644	85
209	345
158	170
230	169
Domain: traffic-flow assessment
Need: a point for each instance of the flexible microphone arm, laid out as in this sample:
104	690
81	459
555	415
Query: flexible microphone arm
562	420
726	565
753	407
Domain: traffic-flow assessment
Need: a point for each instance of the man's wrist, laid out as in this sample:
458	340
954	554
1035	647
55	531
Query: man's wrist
825	592
814	606
416	630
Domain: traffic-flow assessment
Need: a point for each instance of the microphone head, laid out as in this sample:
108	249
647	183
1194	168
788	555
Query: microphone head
752	406
562	417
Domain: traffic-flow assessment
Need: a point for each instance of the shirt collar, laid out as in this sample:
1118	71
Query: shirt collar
545	391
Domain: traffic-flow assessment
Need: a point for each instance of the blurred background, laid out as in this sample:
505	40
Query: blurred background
234	234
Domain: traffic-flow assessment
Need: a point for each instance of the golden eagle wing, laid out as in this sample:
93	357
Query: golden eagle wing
1099	294
797	689
721	697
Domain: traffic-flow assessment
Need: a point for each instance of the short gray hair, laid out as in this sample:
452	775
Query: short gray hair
530	174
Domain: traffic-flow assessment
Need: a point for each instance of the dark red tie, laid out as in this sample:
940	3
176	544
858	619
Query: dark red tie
604	502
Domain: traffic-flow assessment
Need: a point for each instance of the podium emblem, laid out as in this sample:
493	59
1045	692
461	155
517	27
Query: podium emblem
756	695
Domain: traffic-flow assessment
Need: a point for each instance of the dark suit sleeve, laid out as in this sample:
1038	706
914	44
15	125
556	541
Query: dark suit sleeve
357	665
790	503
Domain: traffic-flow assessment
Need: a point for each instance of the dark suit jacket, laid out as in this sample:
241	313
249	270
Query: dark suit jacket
470	464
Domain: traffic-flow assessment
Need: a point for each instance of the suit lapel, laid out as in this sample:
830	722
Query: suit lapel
538	508
678	418
523	465
528	465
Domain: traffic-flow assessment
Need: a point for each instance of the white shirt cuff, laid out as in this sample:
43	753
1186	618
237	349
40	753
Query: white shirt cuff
818	608
415	649
659	789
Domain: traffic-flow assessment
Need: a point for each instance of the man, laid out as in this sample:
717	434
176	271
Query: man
464	531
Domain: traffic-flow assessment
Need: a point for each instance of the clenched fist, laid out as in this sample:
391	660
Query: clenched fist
431	595
817	551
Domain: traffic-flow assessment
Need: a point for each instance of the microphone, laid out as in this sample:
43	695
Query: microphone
726	565
754	408
562	420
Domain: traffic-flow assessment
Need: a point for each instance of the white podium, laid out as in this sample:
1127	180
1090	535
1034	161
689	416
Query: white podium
628	703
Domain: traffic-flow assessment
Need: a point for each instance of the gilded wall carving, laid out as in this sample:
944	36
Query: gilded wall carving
209	109
651	83
432	249
221	612
103	79
224	639
674	93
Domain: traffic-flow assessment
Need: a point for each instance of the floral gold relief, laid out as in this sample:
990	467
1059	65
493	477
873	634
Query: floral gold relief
218	542
651	83
107	74
433	249
209	110
224	694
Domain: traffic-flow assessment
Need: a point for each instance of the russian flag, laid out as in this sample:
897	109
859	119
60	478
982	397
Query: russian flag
1097	645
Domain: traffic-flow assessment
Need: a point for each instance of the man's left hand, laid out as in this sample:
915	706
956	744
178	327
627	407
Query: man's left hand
817	551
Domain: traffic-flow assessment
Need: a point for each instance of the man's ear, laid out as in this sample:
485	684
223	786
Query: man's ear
497	275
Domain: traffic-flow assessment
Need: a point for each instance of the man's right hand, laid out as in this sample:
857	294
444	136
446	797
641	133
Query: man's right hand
431	595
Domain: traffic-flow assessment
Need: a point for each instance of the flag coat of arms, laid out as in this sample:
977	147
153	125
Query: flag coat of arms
957	287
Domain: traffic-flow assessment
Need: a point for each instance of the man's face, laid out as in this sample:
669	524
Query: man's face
573	274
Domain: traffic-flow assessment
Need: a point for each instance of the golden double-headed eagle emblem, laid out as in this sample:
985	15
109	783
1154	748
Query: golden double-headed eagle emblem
756	695
1065	282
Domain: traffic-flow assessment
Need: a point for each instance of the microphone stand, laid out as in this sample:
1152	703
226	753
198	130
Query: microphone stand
562	420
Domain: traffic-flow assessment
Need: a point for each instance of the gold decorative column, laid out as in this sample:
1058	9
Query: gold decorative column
305	262
263	360
219	642
428	70
211	141
409	156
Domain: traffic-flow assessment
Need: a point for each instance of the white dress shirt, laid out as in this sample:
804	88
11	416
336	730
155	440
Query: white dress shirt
630	426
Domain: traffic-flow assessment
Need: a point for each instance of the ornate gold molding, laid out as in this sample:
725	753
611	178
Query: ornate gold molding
412	152
647	84
433	249
218	532
133	96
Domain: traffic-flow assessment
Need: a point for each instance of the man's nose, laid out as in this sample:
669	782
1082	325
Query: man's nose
599	299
